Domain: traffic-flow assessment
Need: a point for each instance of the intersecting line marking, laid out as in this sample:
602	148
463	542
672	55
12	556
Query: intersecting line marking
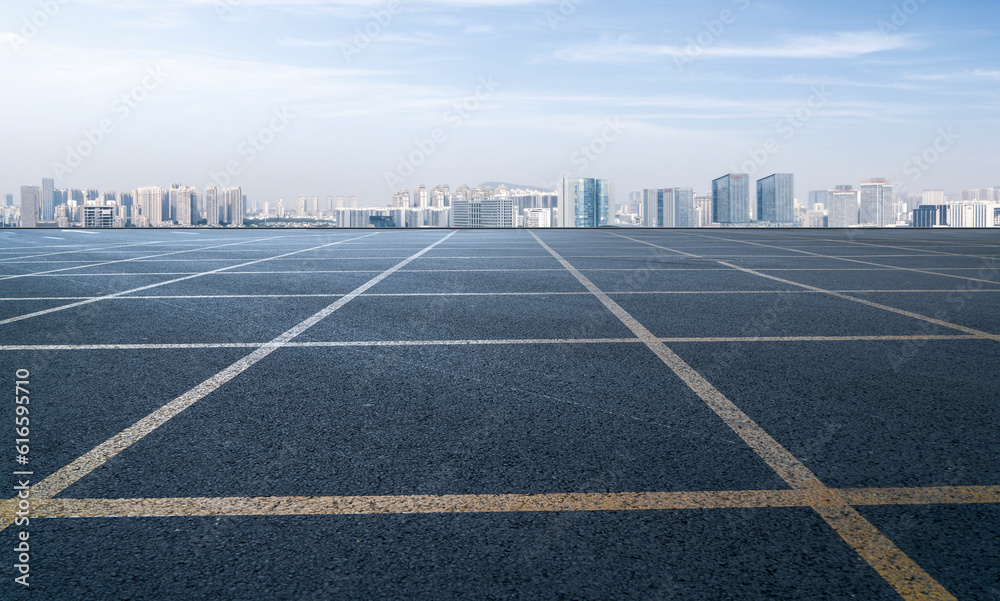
895	567
158	284
940	322
88	462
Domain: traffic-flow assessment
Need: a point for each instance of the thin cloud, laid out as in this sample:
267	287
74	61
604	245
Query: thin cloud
837	46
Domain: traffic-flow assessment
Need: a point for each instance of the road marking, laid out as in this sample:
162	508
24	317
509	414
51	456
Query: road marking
78	232
59	272
77	249
901	572
88	462
502	294
150	286
926	250
52	238
498	342
940	322
812	254
497	503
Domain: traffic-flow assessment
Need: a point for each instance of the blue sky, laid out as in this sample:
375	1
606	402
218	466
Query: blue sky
833	92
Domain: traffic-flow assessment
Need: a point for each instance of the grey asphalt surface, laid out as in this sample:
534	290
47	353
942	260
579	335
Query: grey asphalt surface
594	416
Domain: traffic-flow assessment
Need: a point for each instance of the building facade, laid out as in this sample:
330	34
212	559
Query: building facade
586	202
776	199
876	203
842	207
731	199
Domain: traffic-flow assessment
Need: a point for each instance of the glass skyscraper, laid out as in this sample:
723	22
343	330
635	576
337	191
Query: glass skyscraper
731	199
586	202
48	210
776	198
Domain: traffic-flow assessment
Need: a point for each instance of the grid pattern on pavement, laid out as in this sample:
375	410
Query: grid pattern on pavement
507	373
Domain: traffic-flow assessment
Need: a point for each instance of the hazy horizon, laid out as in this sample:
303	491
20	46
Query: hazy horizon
667	94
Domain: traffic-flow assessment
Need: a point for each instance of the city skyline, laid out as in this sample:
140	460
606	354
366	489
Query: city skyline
284	97
576	203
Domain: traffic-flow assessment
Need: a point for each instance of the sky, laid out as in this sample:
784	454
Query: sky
338	97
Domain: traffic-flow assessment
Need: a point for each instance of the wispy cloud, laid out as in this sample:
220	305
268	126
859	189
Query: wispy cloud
968	75
836	46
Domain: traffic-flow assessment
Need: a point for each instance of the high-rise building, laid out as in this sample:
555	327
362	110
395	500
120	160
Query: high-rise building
280	211
9	200
678	207
537	218
493	212
818	197
731	199
401	199
933	197
652	207
235	205
843	206
421	199
341	203
931	215
47	211
978	213
149	201
212	206
31	206
586	202
183	205
313	210
703	210
981	194
98	216
876	203
300	207
352	201
776	198
441	197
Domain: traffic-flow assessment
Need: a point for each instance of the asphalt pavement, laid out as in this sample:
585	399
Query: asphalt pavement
546	414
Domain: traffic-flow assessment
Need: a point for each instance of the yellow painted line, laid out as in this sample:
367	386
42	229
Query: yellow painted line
265	506
940	322
501	503
83	465
901	572
939	495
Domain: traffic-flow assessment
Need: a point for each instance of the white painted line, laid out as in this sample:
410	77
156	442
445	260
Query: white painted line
840	295
500	342
853	260
79	232
176	252
77	249
53	238
86	463
150	286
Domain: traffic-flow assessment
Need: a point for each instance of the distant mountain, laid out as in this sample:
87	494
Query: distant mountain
516	186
